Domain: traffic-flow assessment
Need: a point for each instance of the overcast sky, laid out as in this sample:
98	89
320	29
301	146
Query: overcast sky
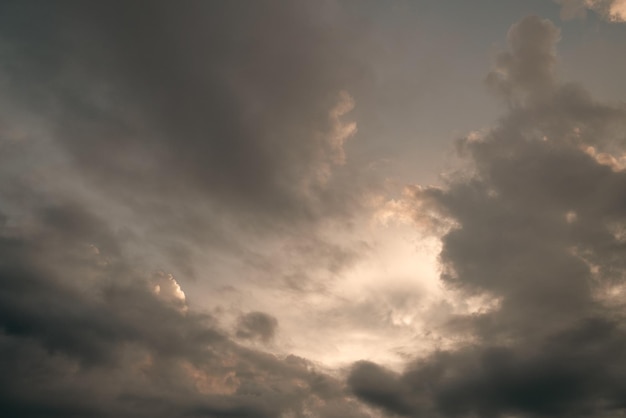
332	209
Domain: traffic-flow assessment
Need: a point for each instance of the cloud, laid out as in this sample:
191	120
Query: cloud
257	325
216	103
167	289
199	127
93	338
153	149
528	68
142	138
380	387
212	138
611	10
576	373
532	225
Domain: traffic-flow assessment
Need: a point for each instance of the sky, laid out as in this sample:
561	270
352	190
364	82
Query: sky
297	209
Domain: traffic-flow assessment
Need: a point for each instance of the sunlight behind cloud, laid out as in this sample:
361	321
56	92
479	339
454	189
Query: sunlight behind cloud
191	224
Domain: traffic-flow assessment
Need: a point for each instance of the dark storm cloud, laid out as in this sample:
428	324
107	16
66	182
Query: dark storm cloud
380	387
94	337
579	372
538	228
192	117
229	102
209	121
256	325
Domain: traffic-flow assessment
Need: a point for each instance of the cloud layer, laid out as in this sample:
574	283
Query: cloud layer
535	225
87	332
178	205
137	137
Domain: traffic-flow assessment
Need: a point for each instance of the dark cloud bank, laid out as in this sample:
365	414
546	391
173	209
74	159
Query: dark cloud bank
208	121
192	99
539	227
187	114
226	106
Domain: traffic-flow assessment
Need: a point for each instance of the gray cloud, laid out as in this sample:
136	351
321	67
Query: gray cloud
534	227
575	373
96	338
528	69
137	137
256	325
227	102
205	123
147	143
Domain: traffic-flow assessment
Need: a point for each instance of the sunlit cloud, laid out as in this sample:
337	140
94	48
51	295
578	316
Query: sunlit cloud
612	10
311	209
